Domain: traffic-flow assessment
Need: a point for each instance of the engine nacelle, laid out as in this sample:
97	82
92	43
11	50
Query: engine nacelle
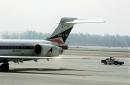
47	50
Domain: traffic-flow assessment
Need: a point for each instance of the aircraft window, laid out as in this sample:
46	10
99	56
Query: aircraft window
16	47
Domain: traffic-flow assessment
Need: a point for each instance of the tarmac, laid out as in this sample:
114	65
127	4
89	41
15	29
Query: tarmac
85	71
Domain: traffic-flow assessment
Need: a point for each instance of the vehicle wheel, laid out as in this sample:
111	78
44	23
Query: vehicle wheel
4	67
120	63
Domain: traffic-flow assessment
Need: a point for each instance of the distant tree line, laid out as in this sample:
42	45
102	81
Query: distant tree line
98	40
75	39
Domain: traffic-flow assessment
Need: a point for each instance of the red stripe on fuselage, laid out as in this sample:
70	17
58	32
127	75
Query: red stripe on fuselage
57	40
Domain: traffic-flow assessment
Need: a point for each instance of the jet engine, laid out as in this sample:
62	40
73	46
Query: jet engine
47	50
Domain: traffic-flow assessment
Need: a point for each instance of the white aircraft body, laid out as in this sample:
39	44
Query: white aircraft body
17	50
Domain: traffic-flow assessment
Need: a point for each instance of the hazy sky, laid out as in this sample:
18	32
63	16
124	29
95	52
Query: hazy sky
43	15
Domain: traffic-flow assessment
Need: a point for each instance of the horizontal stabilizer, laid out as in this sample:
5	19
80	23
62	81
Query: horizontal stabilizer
78	21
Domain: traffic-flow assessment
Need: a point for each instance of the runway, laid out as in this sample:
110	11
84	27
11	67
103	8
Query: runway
87	71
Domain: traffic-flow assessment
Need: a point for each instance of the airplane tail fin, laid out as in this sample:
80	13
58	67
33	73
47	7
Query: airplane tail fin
64	28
